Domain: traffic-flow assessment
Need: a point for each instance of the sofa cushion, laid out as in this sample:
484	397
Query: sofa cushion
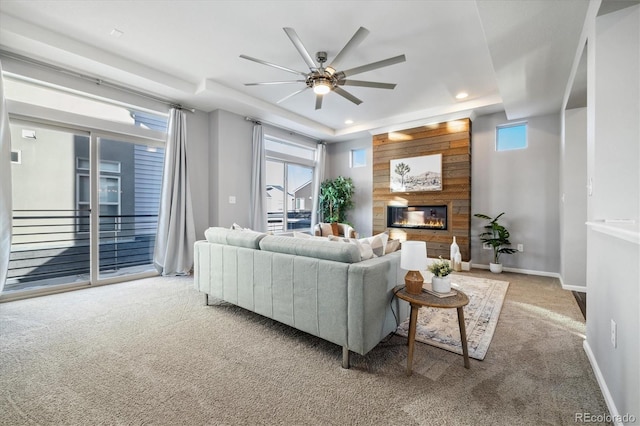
244	238
297	234
320	248
366	252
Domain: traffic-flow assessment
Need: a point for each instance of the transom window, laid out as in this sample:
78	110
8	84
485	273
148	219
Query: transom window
511	136
358	158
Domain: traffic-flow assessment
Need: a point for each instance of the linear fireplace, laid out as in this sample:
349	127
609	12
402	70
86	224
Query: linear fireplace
417	217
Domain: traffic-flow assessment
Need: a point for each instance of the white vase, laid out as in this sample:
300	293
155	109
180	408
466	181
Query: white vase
441	284
453	250
496	268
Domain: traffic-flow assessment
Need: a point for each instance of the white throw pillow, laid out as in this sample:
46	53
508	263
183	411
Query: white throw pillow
365	249
237	227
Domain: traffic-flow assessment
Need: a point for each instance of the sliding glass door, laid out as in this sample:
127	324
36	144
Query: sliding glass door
129	196
85	207
49	246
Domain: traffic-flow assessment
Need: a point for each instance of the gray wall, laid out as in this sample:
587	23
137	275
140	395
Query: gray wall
522	183
573	204
230	168
198	165
338	164
613	144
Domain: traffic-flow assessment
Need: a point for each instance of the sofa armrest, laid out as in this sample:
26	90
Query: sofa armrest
373	312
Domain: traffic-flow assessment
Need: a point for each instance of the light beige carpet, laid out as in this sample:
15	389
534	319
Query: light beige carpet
150	353
439	327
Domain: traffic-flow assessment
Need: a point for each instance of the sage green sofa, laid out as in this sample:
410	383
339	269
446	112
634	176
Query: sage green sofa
315	285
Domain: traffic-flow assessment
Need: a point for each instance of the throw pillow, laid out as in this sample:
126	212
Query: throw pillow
325	229
237	227
365	249
378	243
392	245
335	229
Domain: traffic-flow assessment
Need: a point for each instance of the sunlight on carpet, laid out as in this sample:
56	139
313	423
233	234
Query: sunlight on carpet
439	327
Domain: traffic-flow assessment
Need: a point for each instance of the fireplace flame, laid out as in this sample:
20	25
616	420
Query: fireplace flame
429	223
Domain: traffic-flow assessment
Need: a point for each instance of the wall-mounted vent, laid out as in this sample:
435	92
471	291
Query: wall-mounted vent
29	134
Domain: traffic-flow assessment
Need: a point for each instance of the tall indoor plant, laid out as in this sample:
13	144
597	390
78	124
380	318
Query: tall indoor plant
336	199
497	236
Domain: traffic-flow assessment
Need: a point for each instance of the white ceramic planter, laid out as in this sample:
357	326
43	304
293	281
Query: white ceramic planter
441	284
496	268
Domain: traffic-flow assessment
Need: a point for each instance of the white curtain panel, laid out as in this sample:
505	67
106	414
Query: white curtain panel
318	177
258	182
5	187
176	230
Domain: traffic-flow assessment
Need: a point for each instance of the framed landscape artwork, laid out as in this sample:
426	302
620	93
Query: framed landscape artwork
416	174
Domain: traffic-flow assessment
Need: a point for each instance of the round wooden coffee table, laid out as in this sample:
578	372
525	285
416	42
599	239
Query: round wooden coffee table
425	299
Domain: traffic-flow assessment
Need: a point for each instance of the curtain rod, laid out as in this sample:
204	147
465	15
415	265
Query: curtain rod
97	81
258	121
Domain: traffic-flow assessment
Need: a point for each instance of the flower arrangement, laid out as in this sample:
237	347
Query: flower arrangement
440	268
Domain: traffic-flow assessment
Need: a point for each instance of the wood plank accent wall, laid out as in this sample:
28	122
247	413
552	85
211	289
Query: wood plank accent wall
453	140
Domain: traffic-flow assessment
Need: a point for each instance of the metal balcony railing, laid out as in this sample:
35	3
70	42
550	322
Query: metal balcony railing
51	247
296	219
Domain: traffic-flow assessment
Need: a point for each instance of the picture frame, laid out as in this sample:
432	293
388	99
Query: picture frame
416	174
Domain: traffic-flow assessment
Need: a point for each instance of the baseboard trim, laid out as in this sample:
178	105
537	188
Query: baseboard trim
578	288
521	271
613	411
582	289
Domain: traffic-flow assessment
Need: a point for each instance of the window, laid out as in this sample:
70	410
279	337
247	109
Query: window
289	185
105	166
109	195
16	156
358	158
511	136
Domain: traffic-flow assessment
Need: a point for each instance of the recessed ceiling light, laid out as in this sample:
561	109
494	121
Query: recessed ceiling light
462	95
116	33
348	122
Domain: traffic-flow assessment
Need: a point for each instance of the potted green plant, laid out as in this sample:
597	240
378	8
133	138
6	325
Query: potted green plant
497	236
336	199
441	281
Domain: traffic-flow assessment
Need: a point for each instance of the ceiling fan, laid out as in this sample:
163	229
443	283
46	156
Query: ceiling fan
327	79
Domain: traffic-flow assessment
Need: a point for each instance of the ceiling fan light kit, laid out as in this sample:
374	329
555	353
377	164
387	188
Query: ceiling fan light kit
327	79
322	86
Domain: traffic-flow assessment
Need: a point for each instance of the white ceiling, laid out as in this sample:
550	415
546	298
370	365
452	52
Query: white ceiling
511	55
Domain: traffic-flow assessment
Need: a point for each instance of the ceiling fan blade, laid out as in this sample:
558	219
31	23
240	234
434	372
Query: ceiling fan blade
319	101
260	61
347	95
301	49
292	95
361	83
372	66
357	38
266	83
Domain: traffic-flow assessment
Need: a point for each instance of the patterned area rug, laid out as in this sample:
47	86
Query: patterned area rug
439	327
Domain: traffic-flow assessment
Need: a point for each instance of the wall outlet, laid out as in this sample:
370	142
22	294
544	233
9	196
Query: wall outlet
486	246
520	248
614	334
